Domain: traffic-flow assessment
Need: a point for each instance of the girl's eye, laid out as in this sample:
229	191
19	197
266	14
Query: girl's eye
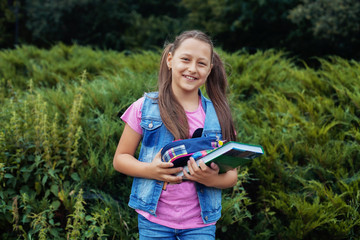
185	59
202	63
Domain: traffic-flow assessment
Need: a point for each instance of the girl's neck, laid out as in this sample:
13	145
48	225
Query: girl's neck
189	101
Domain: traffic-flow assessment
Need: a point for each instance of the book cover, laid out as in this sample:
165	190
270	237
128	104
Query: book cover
230	156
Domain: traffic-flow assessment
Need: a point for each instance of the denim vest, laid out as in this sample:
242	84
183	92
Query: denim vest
145	193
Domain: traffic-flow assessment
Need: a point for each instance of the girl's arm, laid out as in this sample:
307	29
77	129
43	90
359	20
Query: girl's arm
209	176
125	162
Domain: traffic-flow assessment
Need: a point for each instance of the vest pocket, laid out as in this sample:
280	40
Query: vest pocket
151	132
150	124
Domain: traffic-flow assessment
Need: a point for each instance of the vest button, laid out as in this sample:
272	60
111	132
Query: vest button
151	125
206	218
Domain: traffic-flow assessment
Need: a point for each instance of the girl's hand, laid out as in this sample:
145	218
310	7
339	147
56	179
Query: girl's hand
163	171
202	173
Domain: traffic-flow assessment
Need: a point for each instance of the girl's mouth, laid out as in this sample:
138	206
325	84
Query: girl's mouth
190	77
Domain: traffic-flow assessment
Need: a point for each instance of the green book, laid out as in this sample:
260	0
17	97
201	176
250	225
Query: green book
230	155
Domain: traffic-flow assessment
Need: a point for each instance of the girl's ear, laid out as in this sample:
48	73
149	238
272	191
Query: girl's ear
168	60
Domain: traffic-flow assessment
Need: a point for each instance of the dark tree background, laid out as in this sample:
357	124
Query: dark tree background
301	27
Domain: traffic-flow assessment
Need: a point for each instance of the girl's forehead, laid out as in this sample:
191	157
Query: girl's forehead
192	45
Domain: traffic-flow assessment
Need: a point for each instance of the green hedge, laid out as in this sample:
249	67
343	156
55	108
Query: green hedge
60	126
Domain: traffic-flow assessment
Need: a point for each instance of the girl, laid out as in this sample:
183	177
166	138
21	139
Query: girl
187	209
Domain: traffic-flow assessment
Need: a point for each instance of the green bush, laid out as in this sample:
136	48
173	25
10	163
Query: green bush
60	127
307	28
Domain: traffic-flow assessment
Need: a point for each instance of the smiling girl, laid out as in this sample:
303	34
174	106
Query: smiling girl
187	209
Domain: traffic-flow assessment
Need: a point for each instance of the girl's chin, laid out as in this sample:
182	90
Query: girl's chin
190	88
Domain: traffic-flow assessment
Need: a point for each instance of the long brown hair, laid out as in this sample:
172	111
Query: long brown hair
172	113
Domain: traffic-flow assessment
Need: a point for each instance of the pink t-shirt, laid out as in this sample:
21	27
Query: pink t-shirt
178	206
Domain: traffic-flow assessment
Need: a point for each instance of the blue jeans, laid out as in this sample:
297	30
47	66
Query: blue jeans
149	230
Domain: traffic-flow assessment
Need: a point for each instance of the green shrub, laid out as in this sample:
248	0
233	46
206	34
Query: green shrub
60	127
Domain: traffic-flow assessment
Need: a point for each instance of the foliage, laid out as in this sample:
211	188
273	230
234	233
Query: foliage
333	23
304	28
108	24
55	139
238	24
328	19
60	127
7	18
308	121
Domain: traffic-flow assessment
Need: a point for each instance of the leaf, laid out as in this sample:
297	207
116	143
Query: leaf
44	180
54	232
52	173
75	177
54	189
25	169
56	204
37	187
26	176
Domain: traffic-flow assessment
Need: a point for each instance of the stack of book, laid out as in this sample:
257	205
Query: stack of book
230	155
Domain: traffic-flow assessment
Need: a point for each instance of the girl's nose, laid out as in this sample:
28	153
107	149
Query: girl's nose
192	67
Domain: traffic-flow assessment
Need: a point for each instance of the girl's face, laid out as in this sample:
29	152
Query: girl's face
190	64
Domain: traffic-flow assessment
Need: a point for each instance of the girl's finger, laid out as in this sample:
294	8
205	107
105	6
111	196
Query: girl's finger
194	164
202	166
187	174
175	170
191	171
214	166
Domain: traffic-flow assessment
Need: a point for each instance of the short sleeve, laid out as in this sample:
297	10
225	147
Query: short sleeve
132	115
